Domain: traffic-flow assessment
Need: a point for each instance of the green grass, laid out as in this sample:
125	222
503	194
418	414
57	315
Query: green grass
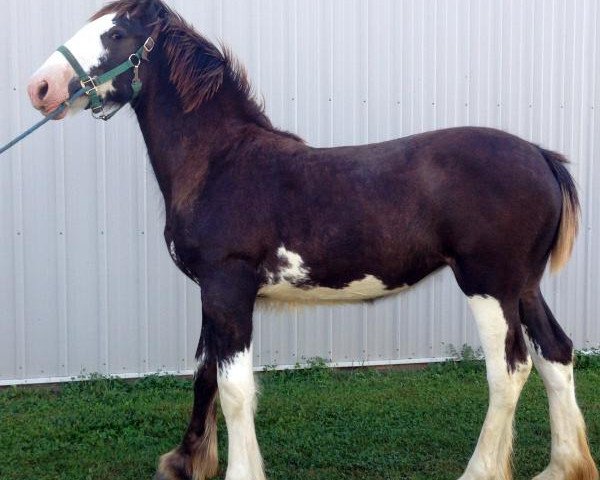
313	424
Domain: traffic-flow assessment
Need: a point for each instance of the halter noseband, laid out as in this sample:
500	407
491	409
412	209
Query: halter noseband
90	84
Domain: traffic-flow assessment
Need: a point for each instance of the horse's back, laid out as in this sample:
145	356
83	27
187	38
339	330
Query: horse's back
434	182
399	210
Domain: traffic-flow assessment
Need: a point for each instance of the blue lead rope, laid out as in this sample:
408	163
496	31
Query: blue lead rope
52	115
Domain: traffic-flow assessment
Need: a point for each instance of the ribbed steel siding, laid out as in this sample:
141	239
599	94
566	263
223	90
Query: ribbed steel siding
87	284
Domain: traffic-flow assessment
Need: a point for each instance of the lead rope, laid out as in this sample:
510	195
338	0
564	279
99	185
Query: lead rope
55	113
89	87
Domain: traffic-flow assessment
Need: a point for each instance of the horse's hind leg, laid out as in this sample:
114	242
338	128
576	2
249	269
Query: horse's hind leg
196	457
508	366
552	353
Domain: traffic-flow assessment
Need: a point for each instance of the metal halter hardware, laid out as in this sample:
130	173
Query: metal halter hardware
90	84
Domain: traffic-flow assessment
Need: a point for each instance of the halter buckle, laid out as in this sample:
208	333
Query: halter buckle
84	84
98	112
149	44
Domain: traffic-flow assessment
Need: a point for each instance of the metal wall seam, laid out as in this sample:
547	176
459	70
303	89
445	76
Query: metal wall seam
17	194
104	364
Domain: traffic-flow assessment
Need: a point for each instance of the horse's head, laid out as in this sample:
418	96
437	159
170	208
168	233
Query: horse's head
108	40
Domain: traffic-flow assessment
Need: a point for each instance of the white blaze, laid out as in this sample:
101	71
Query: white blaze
86	46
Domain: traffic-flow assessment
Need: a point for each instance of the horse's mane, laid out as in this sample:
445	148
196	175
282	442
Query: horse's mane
198	68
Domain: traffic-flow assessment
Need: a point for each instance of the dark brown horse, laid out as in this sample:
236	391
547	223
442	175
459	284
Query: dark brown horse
252	211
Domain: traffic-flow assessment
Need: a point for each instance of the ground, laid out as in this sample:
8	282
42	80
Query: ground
313	424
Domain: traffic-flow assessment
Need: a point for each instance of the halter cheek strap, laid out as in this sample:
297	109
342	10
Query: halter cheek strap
90	84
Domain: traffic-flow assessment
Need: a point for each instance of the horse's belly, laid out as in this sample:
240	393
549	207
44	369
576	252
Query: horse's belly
368	288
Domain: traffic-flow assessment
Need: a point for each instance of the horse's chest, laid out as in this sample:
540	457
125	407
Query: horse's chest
179	261
174	255
291	281
173	252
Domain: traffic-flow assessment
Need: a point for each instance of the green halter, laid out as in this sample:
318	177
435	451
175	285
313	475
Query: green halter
90	84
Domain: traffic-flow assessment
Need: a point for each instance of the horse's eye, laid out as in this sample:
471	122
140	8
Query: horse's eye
116	36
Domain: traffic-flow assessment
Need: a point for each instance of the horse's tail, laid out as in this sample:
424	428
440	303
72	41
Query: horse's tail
571	211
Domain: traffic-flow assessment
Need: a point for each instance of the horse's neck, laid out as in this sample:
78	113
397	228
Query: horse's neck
181	145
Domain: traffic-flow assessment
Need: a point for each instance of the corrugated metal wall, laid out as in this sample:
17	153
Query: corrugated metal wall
86	281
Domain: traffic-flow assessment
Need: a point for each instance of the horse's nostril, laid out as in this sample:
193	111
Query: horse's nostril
42	90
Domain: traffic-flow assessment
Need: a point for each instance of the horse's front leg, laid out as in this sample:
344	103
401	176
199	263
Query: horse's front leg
228	301
224	361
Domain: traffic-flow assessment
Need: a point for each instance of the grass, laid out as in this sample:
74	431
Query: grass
312	424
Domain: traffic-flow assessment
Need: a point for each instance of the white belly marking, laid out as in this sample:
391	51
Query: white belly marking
286	285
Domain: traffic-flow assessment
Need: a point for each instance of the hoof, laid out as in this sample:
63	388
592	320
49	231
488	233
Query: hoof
169	476
172	466
582	471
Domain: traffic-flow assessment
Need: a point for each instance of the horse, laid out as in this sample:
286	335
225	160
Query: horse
254	213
